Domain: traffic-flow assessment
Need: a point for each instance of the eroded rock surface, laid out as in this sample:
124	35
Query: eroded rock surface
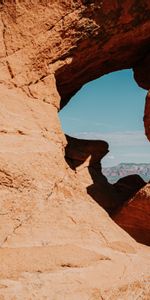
45	211
134	217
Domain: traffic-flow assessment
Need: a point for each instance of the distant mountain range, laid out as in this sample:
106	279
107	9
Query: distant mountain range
124	169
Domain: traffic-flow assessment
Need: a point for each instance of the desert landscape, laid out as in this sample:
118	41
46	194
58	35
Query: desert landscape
123	169
66	232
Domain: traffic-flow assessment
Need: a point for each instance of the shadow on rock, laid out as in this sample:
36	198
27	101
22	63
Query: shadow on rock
112	196
129	185
84	157
84	152
125	201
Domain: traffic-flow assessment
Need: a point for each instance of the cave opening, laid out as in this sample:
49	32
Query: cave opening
106	144
111	108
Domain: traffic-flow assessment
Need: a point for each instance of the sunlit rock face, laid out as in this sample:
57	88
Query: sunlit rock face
56	242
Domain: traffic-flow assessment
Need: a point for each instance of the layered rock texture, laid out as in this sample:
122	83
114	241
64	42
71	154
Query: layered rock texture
134	217
56	242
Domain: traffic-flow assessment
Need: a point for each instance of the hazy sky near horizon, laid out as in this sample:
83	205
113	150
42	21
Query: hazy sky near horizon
110	108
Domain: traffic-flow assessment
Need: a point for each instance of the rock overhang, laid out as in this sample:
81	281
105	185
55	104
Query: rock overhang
83	149
117	38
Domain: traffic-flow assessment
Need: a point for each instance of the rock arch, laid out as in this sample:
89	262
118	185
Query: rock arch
43	205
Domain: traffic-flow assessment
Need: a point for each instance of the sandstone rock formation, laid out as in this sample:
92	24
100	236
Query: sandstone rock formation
84	157
56	242
135	216
84	152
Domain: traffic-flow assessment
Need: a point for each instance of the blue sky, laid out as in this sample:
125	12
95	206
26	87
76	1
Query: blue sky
110	108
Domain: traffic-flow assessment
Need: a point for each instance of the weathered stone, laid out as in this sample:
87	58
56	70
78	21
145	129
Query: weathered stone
134	217
45	212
